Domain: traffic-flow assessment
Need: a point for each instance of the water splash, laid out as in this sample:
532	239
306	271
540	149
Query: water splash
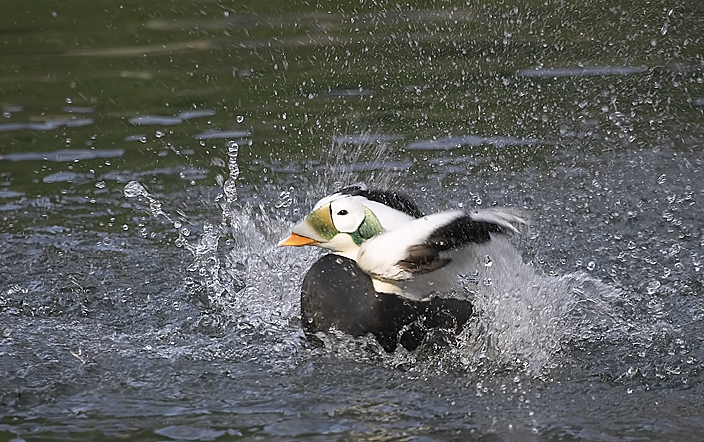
368	159
206	250
230	187
527	322
135	189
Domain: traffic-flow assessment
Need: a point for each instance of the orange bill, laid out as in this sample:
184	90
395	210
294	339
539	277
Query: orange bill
298	240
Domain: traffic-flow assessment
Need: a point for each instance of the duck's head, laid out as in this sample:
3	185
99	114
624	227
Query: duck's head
339	222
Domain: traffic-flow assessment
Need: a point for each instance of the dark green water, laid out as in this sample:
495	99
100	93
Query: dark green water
171	315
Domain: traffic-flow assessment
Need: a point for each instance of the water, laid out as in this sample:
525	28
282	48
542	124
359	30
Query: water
152	156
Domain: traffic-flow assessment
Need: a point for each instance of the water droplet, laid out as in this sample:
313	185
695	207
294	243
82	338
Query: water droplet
240	118
100	184
662	178
133	189
285	200
653	287
155	207
159	134
487	261
125	227
591	265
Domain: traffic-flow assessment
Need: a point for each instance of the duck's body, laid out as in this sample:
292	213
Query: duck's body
389	261
337	293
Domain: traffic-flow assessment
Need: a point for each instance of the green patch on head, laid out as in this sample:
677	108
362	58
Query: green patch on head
369	228
321	221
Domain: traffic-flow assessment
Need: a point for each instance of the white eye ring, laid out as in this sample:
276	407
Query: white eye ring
346	215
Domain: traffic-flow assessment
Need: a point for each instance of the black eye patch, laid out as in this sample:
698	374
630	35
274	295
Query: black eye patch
342	212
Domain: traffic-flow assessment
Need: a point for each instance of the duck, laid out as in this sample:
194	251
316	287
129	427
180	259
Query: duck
390	265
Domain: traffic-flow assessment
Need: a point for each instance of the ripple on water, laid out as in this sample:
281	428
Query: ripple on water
182	432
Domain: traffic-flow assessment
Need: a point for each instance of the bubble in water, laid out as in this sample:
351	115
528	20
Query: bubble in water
133	189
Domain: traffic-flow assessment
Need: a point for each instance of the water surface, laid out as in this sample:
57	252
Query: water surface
152	155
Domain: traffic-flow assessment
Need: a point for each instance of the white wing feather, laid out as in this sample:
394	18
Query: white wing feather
380	255
500	217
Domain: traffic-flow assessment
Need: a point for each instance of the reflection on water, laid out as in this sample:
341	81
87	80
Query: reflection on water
455	142
47	125
153	154
223	134
578	72
66	155
145	120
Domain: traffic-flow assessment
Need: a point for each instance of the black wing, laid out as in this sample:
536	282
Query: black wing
425	257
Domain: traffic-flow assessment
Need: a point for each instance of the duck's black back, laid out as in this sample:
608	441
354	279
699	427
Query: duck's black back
336	292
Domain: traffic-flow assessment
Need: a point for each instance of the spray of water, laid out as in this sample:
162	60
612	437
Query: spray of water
523	320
